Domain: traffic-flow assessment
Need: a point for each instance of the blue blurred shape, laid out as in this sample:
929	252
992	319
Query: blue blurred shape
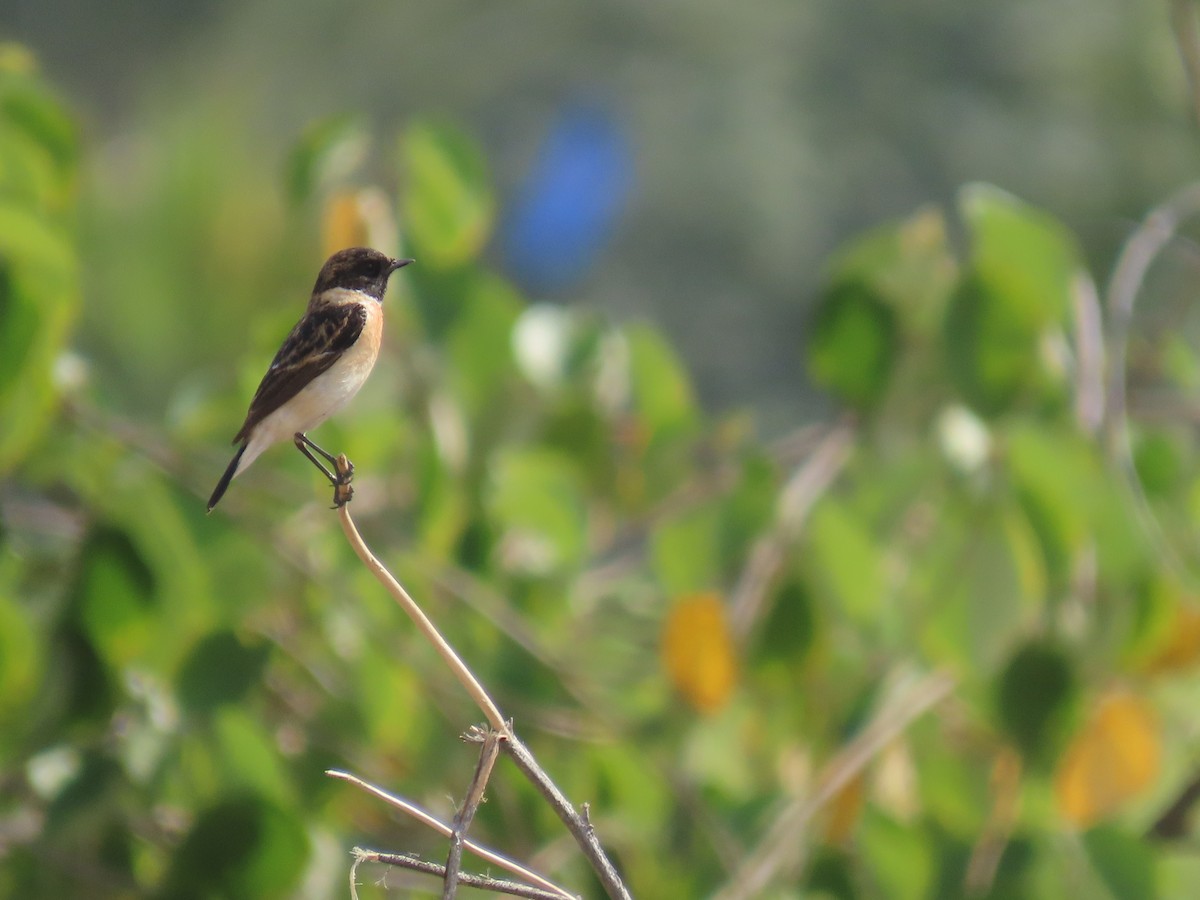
568	204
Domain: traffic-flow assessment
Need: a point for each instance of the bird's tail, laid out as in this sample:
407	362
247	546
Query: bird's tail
223	484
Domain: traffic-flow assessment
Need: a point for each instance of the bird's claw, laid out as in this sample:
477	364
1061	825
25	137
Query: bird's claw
343	491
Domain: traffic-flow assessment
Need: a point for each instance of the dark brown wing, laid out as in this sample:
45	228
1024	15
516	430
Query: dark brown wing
312	347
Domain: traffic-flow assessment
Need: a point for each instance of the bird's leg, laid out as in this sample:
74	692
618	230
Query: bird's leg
306	446
342	491
344	472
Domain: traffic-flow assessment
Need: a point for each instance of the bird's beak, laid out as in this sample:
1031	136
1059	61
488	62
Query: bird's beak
400	263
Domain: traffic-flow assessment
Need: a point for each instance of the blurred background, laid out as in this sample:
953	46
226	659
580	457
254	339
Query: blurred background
759	420
691	164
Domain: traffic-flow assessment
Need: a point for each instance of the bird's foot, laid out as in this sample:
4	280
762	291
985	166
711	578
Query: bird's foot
343	491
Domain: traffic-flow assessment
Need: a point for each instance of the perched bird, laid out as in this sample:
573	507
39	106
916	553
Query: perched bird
322	363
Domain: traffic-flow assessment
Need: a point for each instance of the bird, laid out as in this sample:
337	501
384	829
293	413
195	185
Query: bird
320	366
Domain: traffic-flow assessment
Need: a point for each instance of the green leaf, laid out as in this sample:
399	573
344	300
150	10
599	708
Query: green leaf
684	552
28	177
448	204
1180	364
954	797
749	510
846	561
1017	286
535	498
662	393
1053	472
992	352
899	856
38	298
618	779
248	754
20	664
480	345
831	874
1178	870
1159	460
94	781
990	576
39	147
1025	254
383	688
443	508
854	344
710	755
575	426
329	150
38	279
116	595
908	264
1124	862
1035	696
240	847
29	108
220	670
791	625
1073	501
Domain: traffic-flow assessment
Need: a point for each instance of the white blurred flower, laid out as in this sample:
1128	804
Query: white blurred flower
52	770
541	340
963	437
612	373
70	372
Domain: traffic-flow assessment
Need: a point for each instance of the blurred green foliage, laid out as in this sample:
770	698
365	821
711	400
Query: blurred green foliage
172	686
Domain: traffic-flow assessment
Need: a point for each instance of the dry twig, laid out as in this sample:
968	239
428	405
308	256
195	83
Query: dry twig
582	831
1089	354
482	882
488	752
783	847
1187	36
579	826
1129	274
797	499
411	809
401	596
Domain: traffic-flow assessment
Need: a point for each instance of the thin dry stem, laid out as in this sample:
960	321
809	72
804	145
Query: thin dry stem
584	836
1187	36
1137	255
1089	354
1129	274
783	847
445	830
354	875
799	495
578	825
464	675
482	882
462	822
998	828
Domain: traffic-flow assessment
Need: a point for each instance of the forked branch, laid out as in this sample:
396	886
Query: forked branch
430	821
483	882
578	825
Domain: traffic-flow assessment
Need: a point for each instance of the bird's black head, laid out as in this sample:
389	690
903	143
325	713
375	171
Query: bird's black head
358	269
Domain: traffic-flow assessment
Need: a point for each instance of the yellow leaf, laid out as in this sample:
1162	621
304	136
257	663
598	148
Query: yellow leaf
698	652
845	807
358	219
895	783
1114	758
1181	647
343	224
